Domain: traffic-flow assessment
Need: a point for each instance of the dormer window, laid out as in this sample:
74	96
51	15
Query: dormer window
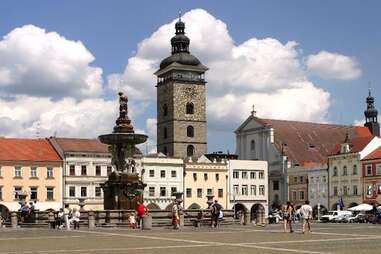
345	148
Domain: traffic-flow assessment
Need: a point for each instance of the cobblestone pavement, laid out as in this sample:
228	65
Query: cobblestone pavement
325	238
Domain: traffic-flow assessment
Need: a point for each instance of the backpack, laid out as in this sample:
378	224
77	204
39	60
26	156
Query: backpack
216	209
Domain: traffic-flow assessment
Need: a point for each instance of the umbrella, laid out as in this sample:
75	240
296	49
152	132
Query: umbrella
362	207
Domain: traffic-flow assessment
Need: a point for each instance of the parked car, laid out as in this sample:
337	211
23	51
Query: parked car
358	218
332	216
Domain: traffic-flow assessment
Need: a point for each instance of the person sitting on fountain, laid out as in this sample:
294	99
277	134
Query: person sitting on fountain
132	221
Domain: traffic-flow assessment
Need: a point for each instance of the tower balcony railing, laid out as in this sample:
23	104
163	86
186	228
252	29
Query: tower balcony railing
184	78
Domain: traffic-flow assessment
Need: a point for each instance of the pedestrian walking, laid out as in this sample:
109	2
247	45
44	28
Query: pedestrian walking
306	213
288	215
176	215
140	212
215	213
66	216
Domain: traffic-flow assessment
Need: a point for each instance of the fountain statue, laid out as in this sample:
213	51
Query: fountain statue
123	188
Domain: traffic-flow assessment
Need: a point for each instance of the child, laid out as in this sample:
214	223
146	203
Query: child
132	221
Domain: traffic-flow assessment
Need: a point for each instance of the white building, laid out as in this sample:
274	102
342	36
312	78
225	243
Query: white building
86	164
248	186
163	177
318	188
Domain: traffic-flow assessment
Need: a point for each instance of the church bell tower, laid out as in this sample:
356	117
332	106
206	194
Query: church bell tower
371	114
181	102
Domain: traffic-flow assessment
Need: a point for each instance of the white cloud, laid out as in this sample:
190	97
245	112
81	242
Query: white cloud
264	72
327	65
40	63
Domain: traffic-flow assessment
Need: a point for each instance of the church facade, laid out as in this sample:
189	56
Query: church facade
181	102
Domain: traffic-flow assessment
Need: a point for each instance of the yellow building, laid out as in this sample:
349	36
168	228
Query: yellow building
31	167
205	178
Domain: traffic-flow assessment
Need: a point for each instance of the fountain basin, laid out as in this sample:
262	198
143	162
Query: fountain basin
122	138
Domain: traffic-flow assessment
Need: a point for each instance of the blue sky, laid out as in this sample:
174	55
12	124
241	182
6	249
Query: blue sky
111	31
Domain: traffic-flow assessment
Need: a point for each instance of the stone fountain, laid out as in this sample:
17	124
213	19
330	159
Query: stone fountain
124	187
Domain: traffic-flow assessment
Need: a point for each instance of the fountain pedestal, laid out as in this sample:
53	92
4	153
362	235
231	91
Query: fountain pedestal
124	188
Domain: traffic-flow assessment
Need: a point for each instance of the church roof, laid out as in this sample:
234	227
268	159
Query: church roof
307	143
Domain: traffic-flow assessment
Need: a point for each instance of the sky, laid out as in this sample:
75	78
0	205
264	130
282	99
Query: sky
62	63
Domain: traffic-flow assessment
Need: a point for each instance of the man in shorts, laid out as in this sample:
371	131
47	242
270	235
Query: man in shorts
306	212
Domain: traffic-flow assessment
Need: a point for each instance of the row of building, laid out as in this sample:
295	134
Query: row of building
57	171
333	166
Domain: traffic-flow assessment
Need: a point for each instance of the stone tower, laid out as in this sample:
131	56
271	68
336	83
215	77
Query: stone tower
371	114
181	102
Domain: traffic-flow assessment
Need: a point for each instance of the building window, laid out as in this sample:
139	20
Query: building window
301	195
17	191
151	173
261	175
109	170
190	131
295	179
253	175
1	192
324	179
301	179
33	193
206	176
354	170
165	110
72	191
98	171
378	169
165	150
18	171
312	179
49	193
190	108
199	193
162	173
235	174
368	170
72	170
220	193
49	172
151	191
334	171
244	190
173	190
83	191
189	192
294	195
345	190
195	176
235	189
190	150
173	173
261	190
345	171
83	170
335	192
252	145
253	190
244	174
33	172
275	185
165	133
162	192
355	191
98	191
209	192
1	172
217	177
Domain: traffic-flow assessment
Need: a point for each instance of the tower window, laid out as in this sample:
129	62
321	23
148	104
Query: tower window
190	150
165	150
165	110
190	108
190	131
165	132
252	145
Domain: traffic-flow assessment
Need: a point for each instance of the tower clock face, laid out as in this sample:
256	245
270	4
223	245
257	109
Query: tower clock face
190	92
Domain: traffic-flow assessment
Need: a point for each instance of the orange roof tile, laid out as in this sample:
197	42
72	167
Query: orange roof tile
356	145
19	149
376	154
308	142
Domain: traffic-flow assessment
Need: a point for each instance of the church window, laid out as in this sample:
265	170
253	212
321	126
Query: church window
252	145
165	132
190	108
190	150
190	131
165	110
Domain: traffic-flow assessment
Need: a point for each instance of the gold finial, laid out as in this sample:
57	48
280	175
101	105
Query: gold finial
179	15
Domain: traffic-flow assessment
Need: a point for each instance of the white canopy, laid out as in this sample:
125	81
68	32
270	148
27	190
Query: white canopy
362	207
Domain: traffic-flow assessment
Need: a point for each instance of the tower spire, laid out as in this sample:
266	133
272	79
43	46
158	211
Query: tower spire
371	115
